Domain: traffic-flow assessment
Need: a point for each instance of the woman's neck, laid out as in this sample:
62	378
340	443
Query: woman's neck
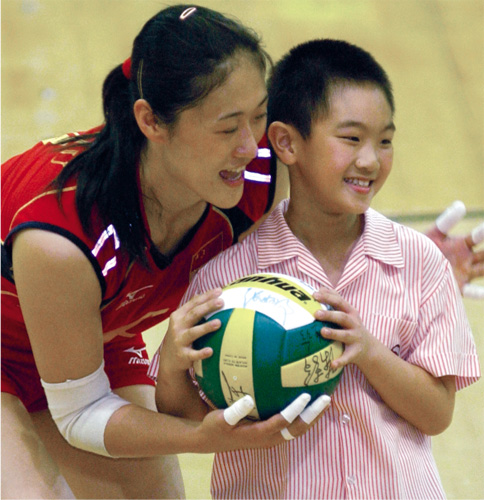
169	213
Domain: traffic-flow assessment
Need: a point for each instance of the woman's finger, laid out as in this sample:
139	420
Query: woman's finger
315	409
239	410
450	217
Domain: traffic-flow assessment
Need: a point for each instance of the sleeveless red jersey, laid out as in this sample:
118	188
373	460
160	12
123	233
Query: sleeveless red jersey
134	297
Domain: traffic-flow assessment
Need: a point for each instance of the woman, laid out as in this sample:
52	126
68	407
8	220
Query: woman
101	232
145	200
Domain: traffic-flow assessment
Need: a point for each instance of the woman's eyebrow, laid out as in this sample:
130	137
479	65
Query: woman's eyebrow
238	113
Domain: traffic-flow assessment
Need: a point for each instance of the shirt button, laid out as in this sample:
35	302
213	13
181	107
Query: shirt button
351	480
345	419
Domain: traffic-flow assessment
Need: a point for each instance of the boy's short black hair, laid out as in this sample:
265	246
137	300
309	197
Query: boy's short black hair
301	82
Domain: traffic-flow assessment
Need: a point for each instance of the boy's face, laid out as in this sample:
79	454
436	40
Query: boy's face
348	156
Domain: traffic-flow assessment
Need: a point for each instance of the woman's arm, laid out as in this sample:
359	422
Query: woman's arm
60	297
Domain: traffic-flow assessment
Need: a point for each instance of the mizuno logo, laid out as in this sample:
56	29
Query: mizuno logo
133	296
138	352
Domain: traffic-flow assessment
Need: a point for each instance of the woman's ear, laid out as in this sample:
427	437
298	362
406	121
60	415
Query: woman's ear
148	122
281	136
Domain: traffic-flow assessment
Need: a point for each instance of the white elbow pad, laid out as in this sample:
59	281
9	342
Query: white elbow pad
81	409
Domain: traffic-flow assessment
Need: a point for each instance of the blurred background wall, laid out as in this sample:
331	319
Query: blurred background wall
56	53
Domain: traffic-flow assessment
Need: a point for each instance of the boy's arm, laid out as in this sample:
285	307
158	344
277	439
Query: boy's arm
423	400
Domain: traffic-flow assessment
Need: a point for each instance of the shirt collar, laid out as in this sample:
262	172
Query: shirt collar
380	239
277	243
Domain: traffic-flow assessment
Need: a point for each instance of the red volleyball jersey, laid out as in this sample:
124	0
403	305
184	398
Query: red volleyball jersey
134	297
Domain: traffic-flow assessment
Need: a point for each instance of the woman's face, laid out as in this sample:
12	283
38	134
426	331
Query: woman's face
205	156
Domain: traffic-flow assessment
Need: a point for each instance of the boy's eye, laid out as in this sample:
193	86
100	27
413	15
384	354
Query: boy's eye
351	138
229	131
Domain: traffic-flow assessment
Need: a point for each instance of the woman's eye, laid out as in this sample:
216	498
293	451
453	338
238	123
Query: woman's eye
230	131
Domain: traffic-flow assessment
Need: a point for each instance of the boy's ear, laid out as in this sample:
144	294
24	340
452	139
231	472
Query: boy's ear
281	136
148	122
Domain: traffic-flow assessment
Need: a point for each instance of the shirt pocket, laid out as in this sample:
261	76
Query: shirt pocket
395	333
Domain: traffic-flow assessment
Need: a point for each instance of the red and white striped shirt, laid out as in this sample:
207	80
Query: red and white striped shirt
406	295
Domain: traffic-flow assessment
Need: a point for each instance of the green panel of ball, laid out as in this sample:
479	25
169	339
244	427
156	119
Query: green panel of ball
272	347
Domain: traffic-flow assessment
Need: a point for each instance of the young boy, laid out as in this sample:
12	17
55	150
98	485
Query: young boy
408	345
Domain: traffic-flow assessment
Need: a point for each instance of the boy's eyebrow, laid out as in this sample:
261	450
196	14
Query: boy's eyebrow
354	123
238	113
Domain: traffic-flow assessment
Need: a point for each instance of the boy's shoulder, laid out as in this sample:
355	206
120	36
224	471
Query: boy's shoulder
408	239
236	259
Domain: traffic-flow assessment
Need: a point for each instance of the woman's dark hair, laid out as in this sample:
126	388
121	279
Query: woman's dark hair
301	82
177	60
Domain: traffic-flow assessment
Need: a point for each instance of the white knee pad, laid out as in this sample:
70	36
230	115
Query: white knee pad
81	409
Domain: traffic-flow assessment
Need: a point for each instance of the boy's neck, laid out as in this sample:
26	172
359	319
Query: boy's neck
330	238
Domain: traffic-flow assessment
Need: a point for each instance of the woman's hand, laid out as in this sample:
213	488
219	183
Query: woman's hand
224	430
466	263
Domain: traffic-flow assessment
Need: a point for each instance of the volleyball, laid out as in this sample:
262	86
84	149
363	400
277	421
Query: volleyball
268	346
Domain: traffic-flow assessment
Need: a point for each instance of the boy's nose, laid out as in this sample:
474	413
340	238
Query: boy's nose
368	159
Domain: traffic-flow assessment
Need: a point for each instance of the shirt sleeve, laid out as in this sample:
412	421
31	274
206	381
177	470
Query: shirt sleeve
444	344
197	286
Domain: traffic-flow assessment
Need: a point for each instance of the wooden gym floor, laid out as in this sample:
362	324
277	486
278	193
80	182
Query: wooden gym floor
56	53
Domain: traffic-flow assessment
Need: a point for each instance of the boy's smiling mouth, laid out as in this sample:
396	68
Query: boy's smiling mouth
364	183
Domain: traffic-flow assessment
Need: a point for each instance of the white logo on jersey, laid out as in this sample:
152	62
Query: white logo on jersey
133	297
138	359
105	235
138	352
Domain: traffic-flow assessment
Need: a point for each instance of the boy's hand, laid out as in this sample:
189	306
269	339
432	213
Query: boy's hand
467	264
177	354
353	334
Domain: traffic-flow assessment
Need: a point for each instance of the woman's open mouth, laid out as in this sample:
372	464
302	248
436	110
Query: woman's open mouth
233	177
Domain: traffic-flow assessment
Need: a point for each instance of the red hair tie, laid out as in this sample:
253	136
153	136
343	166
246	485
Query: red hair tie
126	67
